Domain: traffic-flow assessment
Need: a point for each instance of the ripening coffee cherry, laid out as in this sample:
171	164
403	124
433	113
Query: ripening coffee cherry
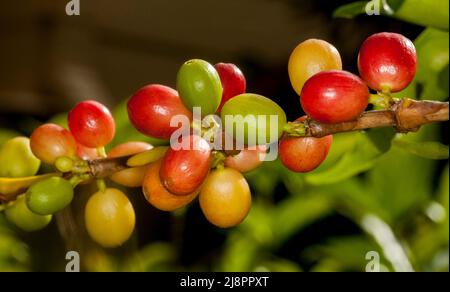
17	159
387	62
334	97
158	196
87	153
92	124
19	215
183	171
152	107
253	119
109	217
247	160
304	154
225	198
199	86
233	81
49	196
50	141
309	58
131	177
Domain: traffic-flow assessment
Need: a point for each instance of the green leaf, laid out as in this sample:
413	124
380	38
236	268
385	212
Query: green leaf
351	10
430	150
433	53
361	158
434	13
297	212
401	181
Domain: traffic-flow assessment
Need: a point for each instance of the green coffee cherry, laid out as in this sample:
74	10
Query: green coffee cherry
253	119
17	160
199	85
19	215
49	196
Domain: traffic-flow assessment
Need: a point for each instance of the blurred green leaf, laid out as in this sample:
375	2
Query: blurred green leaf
240	253
60	120
361	158
430	150
351	10
156	257
433	53
297	212
399	180
343	254
278	265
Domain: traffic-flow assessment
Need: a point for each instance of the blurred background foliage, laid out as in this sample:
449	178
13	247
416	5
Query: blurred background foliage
377	191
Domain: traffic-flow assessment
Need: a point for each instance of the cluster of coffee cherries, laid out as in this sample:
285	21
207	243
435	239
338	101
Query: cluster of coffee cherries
172	177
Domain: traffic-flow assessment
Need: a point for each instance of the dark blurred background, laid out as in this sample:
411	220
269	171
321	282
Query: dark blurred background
49	60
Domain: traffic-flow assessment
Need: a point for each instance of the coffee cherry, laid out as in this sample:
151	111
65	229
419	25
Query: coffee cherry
87	153
199	86
309	58
91	124
225	198
131	177
19	215
249	118
387	62
334	97
49	196
183	171
304	154
158	196
17	159
50	141
233	81
247	160
109	218
151	109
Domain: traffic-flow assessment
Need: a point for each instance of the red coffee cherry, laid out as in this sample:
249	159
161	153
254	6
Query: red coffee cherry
387	62
247	159
183	171
304	154
334	97
158	196
87	153
151	109
50	141
233	81
92	124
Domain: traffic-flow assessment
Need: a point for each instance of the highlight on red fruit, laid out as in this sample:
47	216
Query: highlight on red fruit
334	97
92	124
247	159
304	154
50	141
387	62
233	81
152	107
184	170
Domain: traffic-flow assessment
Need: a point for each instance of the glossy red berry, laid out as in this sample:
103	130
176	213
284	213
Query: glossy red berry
304	154
233	81
387	62
184	170
334	97
92	124
151	109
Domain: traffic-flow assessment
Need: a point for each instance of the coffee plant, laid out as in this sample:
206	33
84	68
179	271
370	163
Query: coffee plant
356	110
